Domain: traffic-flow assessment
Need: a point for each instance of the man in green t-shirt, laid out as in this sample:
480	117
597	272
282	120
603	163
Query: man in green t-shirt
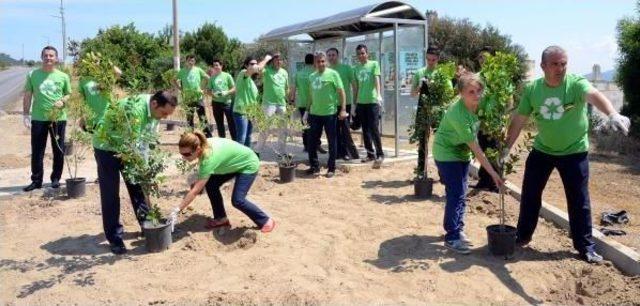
143	113
368	99
222	88
558	104
300	94
275	85
326	103
191	80
346	148
50	89
419	87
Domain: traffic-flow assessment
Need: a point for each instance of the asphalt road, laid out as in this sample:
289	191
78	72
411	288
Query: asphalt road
11	85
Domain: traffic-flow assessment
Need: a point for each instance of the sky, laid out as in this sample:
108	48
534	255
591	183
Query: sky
585	28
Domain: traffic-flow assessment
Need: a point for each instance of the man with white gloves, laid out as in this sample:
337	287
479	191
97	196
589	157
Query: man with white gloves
558	104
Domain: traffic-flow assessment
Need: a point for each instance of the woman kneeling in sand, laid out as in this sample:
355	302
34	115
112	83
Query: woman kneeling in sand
220	160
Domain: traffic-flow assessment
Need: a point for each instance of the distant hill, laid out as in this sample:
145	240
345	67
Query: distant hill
608	75
7	59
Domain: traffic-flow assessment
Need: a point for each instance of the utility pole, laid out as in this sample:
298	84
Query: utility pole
64	32
176	37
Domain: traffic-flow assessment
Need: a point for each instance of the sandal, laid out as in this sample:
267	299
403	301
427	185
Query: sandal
269	226
213	223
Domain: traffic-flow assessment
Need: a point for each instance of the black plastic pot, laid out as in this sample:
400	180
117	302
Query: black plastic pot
157	237
171	126
502	240
287	173
76	187
423	188
68	148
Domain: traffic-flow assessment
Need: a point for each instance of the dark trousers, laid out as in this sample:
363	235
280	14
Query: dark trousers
370	117
202	116
345	142
221	110
484	179
305	132
238	197
574	171
329	124
109	169
453	175
39	132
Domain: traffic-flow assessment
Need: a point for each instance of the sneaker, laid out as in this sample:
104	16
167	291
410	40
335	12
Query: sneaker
465	239
592	257
367	159
321	150
346	158
312	171
269	226
55	184
118	248
31	187
458	246
521	243
378	162
330	174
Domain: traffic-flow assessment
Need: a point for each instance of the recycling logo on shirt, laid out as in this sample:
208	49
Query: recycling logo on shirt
92	88
552	109
49	88
278	79
219	82
316	84
363	75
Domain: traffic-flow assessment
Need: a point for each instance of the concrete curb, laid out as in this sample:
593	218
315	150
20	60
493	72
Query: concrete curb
625	258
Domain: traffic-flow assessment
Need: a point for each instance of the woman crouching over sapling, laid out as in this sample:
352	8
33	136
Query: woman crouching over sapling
220	160
454	146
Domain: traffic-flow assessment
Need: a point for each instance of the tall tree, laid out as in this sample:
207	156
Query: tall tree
629	67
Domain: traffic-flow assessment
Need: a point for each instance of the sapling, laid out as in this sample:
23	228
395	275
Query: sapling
286	123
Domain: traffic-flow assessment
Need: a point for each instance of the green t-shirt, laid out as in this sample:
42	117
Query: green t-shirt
425	72
246	93
47	88
275	86
191	80
226	156
221	82
137	107
560	114
346	75
97	103
458	127
365	75
301	81
324	92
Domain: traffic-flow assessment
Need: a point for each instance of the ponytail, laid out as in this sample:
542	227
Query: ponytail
193	140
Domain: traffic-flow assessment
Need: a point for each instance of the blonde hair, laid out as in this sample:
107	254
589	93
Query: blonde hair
468	78
193	140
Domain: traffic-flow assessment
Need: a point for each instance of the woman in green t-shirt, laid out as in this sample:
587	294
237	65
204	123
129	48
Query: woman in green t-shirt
454	145
220	160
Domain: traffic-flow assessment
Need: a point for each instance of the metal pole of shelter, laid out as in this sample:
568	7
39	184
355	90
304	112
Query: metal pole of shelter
396	87
176	37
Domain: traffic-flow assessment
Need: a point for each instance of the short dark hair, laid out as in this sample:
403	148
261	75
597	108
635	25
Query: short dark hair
217	60
308	59
361	46
49	48
333	49
190	56
247	60
433	50
164	97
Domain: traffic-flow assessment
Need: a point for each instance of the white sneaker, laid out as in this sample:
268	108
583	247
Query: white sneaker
458	246
465	239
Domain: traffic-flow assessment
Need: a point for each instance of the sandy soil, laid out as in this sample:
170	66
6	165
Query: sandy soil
358	238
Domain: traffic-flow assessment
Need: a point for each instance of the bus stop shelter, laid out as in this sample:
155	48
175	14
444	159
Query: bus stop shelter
395	34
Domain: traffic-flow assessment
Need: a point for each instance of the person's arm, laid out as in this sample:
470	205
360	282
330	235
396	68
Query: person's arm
377	84
477	151
343	104
192	194
26	102
260	67
600	101
231	85
515	127
415	84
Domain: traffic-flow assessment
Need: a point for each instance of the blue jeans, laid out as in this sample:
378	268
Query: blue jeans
574	172
238	196
109	169
453	174
244	128
317	123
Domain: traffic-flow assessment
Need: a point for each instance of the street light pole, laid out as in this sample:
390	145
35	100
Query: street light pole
176	37
64	32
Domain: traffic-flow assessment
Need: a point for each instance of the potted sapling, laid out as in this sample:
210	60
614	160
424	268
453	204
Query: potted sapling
498	72
436	93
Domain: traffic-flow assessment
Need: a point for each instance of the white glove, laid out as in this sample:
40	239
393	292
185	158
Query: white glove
26	120
379	100
619	122
305	118
174	217
58	104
